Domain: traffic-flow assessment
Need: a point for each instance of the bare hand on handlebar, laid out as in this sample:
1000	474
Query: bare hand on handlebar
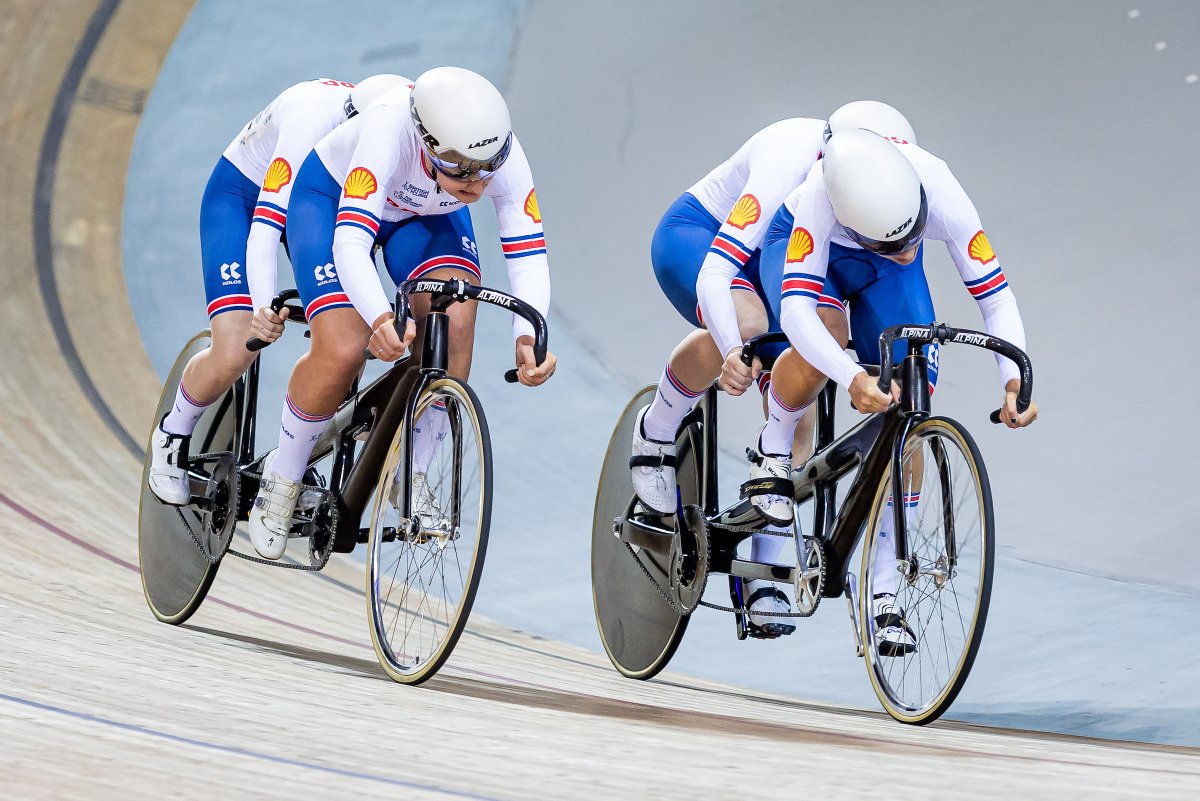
865	394
737	376
267	325
1008	411
385	343
528	371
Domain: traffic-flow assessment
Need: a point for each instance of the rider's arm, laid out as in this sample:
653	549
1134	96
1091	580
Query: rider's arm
364	186
521	235
979	267
297	135
805	267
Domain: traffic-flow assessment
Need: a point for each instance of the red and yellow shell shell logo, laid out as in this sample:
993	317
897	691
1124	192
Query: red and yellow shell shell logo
360	184
531	207
980	248
800	244
279	175
745	212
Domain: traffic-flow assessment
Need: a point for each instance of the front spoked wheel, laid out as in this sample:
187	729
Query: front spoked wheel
423	568
923	620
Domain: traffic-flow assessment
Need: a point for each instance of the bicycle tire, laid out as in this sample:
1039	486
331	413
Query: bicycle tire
414	658
176	575
942	519
640	631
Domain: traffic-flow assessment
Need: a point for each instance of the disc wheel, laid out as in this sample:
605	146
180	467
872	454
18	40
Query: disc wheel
423	572
640	630
176	571
942	594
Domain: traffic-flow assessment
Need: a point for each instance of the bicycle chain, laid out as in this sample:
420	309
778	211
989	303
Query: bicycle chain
679	610
212	560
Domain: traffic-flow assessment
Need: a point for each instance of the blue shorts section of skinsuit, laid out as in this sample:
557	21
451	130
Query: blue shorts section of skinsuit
681	242
410	247
225	215
876	292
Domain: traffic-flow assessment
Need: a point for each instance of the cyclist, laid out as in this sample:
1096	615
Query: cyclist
853	233
399	177
242	217
709	270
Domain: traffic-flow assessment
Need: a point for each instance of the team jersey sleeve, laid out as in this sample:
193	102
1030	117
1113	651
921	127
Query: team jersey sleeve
297	135
979	268
768	183
805	266
521	235
376	158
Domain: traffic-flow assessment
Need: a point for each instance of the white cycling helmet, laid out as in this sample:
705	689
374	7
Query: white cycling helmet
875	192
368	90
462	120
872	115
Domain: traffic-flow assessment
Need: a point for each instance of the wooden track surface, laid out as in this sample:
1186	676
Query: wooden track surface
272	689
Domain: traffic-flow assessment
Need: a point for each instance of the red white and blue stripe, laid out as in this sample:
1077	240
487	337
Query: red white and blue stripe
739	282
830	302
781	404
764	381
516	247
678	385
270	214
989	285
230	303
357	218
803	285
331	300
444	262
305	416
183	391
731	249
911	499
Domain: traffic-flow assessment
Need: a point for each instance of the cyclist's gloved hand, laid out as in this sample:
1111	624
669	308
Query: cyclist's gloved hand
736	376
267	325
385	343
528	372
865	394
1008	411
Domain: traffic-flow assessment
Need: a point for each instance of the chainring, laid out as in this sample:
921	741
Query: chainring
319	531
218	520
688	560
810	578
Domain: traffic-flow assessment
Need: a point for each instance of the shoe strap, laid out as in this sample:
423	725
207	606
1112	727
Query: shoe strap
662	460
764	592
769	485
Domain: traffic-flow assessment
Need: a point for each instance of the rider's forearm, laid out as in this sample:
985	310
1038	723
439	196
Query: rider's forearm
812	340
529	279
261	248
359	277
716	303
1002	319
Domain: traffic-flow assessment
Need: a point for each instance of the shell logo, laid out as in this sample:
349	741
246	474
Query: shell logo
279	175
531	207
745	212
800	244
360	184
980	248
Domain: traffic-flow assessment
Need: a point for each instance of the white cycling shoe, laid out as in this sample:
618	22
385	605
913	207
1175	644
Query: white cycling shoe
168	477
893	637
653	470
271	515
426	510
777	509
765	596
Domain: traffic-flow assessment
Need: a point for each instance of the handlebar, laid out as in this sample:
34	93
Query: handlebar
758	342
921	335
455	290
277	303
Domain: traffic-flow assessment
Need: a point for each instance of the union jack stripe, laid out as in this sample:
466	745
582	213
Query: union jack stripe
270	214
308	418
357	218
516	247
439	262
333	300
230	303
803	285
741	283
679	387
764	381
910	499
989	285
731	249
830	302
